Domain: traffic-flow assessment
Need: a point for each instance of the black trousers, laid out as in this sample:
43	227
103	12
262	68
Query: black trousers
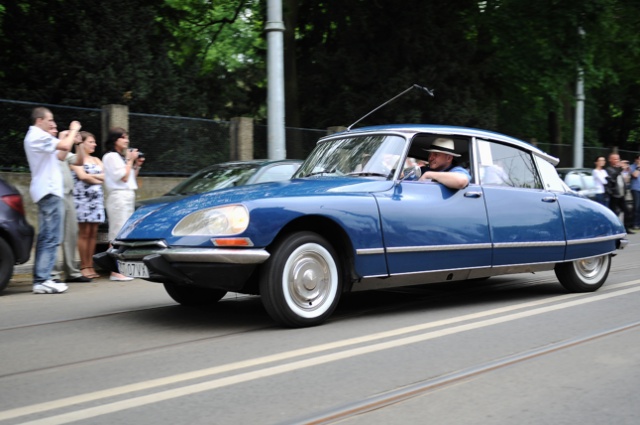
619	205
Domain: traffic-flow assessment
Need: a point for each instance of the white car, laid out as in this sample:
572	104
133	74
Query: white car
579	180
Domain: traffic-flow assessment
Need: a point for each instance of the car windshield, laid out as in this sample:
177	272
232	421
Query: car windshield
216	177
373	155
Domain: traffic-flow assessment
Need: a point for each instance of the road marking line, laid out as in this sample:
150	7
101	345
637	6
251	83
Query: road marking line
275	370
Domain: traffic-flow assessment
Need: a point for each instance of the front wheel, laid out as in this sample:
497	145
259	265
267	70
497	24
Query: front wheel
586	275
301	283
193	295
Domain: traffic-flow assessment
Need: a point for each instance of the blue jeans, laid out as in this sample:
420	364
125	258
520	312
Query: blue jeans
50	223
636	207
602	199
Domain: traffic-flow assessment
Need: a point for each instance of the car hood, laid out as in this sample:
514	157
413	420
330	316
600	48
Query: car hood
156	220
164	199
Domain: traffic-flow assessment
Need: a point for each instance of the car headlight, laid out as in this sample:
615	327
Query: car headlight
228	220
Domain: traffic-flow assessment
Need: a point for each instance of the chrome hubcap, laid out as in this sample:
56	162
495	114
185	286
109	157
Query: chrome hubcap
309	280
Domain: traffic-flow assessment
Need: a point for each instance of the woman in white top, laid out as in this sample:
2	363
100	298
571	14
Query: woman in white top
600	180
121	167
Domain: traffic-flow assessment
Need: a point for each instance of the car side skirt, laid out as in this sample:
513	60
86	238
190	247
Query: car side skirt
439	276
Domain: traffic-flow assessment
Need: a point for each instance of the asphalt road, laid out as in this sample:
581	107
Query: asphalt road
510	350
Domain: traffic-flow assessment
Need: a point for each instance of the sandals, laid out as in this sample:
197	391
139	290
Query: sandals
90	275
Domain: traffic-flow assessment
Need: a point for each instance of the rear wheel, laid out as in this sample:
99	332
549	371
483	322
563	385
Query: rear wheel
193	295
7	260
300	284
586	275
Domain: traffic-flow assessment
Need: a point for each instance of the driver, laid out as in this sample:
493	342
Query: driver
441	168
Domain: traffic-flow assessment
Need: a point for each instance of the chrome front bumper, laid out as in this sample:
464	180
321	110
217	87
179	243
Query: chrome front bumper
136	251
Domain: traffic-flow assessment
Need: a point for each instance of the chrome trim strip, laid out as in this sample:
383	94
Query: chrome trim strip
137	244
396	250
369	251
500	245
215	255
598	239
528	244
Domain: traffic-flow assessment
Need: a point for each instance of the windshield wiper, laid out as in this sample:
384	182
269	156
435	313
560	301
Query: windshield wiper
323	171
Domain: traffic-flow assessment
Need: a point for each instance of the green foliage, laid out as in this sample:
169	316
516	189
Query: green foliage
92	53
507	65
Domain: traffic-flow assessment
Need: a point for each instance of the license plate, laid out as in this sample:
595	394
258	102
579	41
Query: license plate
133	269
102	237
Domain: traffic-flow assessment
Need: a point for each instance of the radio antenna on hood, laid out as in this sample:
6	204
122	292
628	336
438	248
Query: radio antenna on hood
415	86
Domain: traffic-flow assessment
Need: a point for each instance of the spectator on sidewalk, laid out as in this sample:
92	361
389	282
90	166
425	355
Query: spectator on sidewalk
600	180
89	199
121	167
617	190
70	235
635	191
43	152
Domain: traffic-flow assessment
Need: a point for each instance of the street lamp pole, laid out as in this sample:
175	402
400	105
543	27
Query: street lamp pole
274	28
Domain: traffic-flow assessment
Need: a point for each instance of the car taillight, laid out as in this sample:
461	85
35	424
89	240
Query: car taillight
15	202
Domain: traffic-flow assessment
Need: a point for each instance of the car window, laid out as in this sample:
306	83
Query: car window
371	155
552	181
277	173
215	178
502	165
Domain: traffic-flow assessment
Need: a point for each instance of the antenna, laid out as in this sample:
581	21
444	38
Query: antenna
415	86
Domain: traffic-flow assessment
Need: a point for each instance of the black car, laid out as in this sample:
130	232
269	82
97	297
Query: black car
16	235
214	177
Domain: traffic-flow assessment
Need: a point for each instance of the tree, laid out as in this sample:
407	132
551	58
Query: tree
83	53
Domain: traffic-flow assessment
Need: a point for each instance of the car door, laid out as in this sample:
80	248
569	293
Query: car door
525	220
428	227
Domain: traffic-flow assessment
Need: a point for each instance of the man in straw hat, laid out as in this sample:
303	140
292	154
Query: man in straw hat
441	168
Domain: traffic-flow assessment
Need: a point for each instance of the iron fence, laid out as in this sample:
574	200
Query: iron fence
172	145
181	145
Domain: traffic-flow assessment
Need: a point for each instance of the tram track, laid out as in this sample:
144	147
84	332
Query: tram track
424	298
391	398
189	383
428	297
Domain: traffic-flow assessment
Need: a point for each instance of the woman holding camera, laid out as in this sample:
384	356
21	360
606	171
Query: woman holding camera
121	167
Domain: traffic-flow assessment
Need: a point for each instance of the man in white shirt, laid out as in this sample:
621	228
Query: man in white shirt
43	152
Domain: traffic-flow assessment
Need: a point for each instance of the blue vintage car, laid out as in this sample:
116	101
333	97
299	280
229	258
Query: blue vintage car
355	217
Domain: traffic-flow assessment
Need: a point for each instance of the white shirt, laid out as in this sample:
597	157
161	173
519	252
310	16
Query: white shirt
46	177
114	170
600	179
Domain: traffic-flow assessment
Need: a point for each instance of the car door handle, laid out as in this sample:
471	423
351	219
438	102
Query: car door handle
549	199
472	194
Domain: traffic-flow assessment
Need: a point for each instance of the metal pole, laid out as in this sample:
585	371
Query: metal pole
578	132
274	28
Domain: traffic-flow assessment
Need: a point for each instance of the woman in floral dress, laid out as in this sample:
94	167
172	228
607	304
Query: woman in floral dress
89	201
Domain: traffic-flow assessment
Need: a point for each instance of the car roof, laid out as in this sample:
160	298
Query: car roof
410	129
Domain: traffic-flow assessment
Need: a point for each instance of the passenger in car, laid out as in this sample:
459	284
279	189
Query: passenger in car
441	167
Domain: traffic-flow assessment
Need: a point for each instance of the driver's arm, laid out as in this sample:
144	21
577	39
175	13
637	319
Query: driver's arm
453	180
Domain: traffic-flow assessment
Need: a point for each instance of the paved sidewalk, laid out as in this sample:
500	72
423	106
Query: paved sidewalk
27	268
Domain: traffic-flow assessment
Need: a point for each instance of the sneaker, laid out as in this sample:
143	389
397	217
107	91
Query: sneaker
49	287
